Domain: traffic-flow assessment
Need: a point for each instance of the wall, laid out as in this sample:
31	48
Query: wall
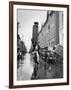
61	34
51	31
4	45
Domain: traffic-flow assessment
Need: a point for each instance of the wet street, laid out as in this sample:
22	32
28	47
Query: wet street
43	70
25	69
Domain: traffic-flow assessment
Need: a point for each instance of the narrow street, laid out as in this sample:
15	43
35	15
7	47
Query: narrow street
26	69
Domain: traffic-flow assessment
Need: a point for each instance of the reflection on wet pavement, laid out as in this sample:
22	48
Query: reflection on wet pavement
25	69
28	70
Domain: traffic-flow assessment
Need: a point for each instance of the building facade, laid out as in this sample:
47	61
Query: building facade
35	32
61	31
51	32
34	36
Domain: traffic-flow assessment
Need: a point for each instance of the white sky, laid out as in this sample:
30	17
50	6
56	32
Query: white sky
26	18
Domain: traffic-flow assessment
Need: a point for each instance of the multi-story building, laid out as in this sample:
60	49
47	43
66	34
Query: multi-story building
35	32
34	36
51	32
